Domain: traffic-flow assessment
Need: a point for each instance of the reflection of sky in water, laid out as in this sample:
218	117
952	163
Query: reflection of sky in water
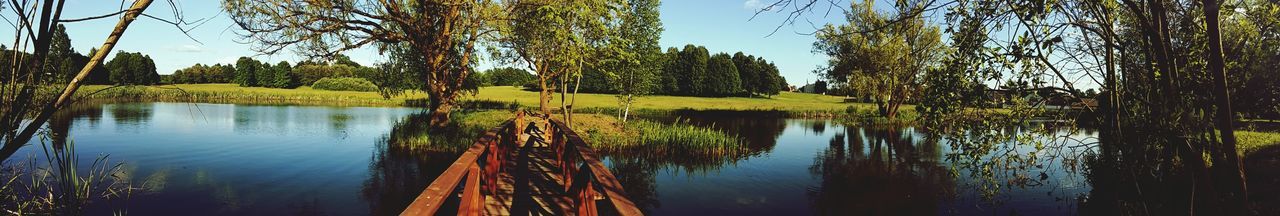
232	159
815	167
219	159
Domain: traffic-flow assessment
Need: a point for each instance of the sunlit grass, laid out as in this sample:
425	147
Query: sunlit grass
786	101
798	103
1250	141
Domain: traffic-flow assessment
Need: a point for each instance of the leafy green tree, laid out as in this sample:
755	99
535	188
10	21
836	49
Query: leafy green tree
640	59
442	33
748	72
59	62
246	71
668	81
282	76
555	38
692	70
886	63
100	75
345	60
133	69
722	77
509	76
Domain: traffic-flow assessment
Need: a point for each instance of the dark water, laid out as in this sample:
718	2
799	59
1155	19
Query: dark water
217	159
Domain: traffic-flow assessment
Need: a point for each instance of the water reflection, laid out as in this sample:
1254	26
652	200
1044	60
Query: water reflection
879	171
408	158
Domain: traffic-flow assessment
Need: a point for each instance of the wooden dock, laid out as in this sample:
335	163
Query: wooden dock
538	167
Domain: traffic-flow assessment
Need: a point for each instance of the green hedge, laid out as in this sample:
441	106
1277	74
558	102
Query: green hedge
344	84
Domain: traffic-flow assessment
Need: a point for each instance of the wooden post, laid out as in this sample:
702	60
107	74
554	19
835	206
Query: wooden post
472	201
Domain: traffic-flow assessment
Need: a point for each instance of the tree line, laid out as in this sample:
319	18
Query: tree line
1167	106
63	63
692	71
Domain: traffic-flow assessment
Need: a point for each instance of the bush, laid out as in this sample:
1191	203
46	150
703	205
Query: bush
345	84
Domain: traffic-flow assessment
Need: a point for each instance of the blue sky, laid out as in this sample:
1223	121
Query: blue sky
720	25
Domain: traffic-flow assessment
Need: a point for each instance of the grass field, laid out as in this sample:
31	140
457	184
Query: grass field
787	101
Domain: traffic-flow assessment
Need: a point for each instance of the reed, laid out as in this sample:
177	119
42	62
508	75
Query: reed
60	187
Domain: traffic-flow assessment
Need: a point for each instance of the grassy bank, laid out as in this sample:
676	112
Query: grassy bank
1251	141
798	104
232	93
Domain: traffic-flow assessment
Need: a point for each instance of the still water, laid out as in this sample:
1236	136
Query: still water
221	159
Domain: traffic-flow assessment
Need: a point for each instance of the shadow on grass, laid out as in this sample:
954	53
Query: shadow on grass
1262	167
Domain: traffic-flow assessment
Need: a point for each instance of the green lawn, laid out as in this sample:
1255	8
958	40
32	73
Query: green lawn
787	101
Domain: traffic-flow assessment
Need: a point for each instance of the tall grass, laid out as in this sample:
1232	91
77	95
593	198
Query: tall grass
1251	141
232	95
60	187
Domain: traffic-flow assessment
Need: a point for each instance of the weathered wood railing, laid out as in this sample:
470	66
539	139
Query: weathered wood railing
489	151
586	180
584	174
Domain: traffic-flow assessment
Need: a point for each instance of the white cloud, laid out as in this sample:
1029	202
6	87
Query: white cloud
753	5
191	48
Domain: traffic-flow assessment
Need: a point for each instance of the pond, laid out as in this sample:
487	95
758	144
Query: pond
221	159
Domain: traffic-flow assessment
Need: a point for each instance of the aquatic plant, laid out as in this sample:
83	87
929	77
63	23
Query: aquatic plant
61	188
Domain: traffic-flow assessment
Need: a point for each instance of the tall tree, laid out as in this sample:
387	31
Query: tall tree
722	77
281	76
641	59
886	62
246	72
748	72
442	33
133	69
554	38
16	129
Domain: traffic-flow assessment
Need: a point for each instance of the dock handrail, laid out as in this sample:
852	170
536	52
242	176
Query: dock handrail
600	178
481	165
467	165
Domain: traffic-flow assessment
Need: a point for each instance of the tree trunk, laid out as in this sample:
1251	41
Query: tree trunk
626	108
12	145
440	105
1230	173
574	100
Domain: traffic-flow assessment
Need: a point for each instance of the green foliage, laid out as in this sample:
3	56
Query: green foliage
722	77
885	63
509	76
133	69
309	74
282	76
691	70
246	71
200	73
345	84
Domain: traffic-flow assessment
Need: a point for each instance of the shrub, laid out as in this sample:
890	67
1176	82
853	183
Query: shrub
344	84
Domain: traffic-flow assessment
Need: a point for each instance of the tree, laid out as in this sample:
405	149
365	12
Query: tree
133	69
60	62
641	58
554	38
691	70
246	72
748	72
442	33
20	100
282	76
395	76
887	62
668	81
722	77
509	76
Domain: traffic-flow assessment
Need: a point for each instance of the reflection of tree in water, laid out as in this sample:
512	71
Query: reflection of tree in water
61	122
761	129
879	171
408	158
130	114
